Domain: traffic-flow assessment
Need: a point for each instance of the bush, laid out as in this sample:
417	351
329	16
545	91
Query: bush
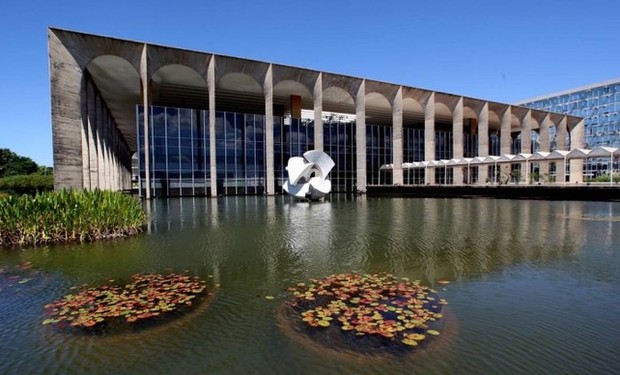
604	178
68	216
27	184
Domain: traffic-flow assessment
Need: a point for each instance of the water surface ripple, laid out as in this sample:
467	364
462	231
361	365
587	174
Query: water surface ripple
533	285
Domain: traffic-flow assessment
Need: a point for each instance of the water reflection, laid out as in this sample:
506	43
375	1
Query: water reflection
425	238
495	251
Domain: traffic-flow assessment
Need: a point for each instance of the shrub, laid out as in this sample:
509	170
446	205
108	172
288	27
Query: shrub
68	216
27	184
604	178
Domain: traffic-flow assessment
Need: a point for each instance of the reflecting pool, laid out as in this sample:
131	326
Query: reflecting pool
534	286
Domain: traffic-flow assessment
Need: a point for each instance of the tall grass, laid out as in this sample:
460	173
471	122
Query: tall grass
68	216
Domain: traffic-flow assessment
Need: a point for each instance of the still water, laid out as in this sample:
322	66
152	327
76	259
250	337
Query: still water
535	286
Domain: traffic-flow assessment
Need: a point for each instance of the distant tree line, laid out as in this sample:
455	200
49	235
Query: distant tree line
21	175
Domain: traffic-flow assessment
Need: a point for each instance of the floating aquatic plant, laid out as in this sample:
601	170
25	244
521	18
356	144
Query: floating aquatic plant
11	276
382	308
146	297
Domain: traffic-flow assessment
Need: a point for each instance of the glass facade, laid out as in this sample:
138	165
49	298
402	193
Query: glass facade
240	153
599	106
339	143
413	150
179	159
180	155
180	152
378	152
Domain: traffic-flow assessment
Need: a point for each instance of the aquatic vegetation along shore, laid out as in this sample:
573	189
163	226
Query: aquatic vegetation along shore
68	216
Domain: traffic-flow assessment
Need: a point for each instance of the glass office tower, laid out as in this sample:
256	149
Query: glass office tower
598	104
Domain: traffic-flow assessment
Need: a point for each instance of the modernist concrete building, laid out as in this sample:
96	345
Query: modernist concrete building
598	104
207	124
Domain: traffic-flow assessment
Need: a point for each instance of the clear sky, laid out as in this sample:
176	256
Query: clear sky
500	50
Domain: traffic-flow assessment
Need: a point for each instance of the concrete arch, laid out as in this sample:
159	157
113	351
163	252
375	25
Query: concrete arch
378	109
515	121
494	118
387	90
118	82
239	82
160	57
348	84
286	88
177	85
442	110
378	100
230	66
413	106
337	99
469	112
286	73
535	123
178	74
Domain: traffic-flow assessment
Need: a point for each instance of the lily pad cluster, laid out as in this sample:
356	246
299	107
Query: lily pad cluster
382	308
146	297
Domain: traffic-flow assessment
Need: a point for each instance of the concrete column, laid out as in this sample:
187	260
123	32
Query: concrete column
117	184
111	148
505	140
561	133
504	135
429	137
106	145
145	102
66	85
543	166
397	138
526	136
268	90
212	143
483	141
360	137
526	143
577	140
457	140
85	133
100	145
318	113
92	135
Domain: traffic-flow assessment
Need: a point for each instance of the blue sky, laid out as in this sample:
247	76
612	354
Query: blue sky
499	50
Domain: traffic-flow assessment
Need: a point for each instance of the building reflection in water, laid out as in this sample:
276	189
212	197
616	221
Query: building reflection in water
422	238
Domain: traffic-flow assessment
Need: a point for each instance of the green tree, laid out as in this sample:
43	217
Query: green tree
12	164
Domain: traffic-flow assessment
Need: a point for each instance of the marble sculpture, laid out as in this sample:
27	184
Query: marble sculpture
307	175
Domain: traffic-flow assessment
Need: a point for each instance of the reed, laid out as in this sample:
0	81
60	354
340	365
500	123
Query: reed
68	216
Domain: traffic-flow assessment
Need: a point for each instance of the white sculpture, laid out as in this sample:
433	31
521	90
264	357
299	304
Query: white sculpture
307	175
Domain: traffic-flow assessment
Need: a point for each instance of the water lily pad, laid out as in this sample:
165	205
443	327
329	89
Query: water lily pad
380	309
145	297
432	332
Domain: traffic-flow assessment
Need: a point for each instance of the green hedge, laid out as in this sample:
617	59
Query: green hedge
605	178
68	216
27	184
